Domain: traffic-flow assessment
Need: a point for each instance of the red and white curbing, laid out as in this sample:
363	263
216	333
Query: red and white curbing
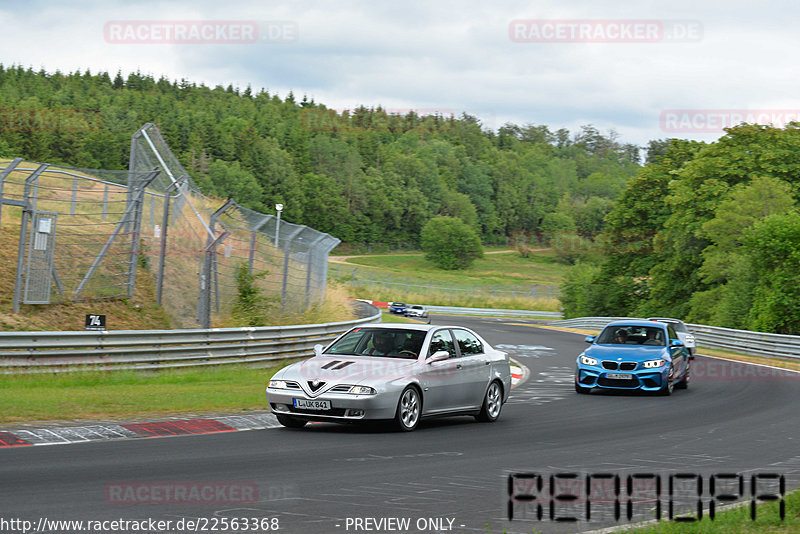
80	434
517	374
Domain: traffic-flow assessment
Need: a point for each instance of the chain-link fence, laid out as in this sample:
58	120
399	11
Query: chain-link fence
77	230
87	234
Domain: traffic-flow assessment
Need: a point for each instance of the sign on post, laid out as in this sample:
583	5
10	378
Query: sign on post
95	322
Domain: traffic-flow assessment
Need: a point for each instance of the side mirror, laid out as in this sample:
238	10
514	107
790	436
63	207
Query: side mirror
675	343
590	339
318	349
439	356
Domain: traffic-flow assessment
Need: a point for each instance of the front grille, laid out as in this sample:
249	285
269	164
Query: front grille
632	383
293	385
340	389
611	366
315	385
627	366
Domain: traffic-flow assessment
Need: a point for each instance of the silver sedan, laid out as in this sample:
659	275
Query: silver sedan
394	372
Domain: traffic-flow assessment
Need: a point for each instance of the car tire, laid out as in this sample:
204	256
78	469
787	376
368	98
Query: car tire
666	389
582	390
492	403
684	384
291	422
409	409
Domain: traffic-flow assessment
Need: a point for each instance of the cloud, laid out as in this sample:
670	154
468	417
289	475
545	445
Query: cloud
443	55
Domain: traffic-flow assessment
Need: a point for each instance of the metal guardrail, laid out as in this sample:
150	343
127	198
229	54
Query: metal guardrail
31	352
714	337
487	311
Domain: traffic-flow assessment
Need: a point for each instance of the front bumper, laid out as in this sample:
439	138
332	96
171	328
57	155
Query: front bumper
344	406
643	379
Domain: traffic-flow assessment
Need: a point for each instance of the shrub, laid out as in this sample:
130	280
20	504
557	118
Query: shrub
450	243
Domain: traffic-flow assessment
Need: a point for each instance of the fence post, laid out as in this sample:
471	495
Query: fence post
105	202
204	315
215	273
162	253
138	200
3	175
74	196
26	213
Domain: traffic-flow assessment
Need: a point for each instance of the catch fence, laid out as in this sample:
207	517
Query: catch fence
88	234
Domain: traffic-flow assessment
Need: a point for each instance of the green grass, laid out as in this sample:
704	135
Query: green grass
125	393
496	268
737	520
501	279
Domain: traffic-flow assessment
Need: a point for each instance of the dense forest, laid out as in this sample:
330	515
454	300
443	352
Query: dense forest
706	232
365	176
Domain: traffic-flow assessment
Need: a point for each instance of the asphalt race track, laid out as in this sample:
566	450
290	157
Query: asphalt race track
451	475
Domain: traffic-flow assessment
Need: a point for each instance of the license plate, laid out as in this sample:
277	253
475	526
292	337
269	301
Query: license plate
618	376
312	404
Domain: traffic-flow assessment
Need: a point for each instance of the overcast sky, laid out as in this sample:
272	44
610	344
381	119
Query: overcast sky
648	70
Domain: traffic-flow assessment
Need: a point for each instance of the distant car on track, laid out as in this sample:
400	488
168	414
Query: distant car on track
398	308
400	372
634	355
417	311
684	334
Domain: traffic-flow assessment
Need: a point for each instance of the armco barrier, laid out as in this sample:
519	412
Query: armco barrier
714	337
30	352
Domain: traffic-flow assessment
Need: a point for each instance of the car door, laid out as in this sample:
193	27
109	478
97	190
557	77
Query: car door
475	368
441	380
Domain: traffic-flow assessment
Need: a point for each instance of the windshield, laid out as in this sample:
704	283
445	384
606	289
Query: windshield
380	342
633	335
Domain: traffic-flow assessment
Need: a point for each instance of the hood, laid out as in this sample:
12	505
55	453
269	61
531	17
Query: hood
630	353
349	370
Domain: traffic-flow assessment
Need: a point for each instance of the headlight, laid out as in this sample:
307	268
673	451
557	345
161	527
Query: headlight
585	360
652	364
362	390
277	384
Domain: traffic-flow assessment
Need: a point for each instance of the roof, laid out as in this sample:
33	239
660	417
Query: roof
633	322
405	326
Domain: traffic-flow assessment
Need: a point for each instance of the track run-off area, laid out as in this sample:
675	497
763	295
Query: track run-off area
450	475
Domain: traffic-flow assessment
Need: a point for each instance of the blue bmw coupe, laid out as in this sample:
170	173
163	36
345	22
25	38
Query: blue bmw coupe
634	355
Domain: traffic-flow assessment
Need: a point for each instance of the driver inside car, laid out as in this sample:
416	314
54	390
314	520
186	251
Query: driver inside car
382	344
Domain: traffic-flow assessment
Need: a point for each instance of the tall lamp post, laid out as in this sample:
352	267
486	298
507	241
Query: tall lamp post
279	208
